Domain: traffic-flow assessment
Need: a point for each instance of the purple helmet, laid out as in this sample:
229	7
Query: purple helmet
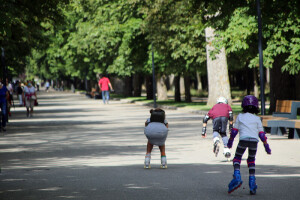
250	100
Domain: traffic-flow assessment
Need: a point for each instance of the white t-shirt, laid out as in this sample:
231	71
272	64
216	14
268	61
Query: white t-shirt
29	90
10	88
249	125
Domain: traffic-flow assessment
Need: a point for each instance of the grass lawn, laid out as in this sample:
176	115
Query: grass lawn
192	105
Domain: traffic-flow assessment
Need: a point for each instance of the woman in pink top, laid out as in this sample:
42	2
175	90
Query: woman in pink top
104	85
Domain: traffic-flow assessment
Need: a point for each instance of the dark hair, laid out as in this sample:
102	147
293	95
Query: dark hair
251	109
157	115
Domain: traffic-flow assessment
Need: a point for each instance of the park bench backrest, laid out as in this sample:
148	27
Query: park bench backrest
284	106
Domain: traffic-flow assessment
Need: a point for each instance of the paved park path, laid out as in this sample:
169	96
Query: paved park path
78	148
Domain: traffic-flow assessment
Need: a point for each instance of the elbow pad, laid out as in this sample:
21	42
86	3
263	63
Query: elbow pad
206	118
263	137
230	116
233	133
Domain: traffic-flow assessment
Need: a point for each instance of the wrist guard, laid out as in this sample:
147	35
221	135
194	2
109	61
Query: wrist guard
264	138
230	127
203	131
267	148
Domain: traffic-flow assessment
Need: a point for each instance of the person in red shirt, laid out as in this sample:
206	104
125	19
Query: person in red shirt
220	113
105	85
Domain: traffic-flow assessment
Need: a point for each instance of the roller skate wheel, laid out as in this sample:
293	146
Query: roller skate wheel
147	167
163	167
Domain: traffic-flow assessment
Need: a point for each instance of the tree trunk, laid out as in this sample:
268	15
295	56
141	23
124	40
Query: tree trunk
128	86
282	84
255	83
149	87
177	88
161	87
217	72
187	88
199	84
137	85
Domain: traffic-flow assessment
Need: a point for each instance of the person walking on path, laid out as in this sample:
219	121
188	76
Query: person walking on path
19	93
250	128
47	85
29	95
10	98
4	95
156	130
220	113
105	85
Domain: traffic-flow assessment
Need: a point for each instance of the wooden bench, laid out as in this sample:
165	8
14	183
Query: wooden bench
286	108
280	126
279	121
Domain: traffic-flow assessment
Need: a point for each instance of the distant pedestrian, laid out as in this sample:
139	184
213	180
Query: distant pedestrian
29	95
10	97
19	93
156	130
105	85
4	95
250	129
220	113
47	85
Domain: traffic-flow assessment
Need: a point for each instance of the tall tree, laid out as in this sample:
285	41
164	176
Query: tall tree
217	71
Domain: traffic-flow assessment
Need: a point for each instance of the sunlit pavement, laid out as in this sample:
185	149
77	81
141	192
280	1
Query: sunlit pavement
78	148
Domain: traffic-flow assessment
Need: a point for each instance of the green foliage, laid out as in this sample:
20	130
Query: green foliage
21	30
281	32
81	38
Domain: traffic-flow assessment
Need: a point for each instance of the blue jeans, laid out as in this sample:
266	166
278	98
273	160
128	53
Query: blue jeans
3	114
105	96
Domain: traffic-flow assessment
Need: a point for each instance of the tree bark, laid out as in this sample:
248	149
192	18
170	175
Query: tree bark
217	72
128	86
137	85
199	83
149	87
177	88
282	84
255	83
187	87
161	87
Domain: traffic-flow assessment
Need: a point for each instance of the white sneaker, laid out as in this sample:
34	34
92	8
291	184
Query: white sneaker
163	162
227	153
147	161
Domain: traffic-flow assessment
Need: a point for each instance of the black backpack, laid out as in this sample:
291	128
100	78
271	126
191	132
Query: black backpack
157	116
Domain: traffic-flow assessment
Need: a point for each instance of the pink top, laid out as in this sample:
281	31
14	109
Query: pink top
219	110
103	82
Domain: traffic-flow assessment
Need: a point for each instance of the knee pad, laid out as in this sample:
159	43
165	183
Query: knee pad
237	160
251	162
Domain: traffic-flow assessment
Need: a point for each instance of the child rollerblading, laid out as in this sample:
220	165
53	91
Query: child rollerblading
250	128
156	130
220	113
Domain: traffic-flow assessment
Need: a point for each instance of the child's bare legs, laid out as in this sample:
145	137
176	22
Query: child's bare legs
163	156
162	150
148	155
149	148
